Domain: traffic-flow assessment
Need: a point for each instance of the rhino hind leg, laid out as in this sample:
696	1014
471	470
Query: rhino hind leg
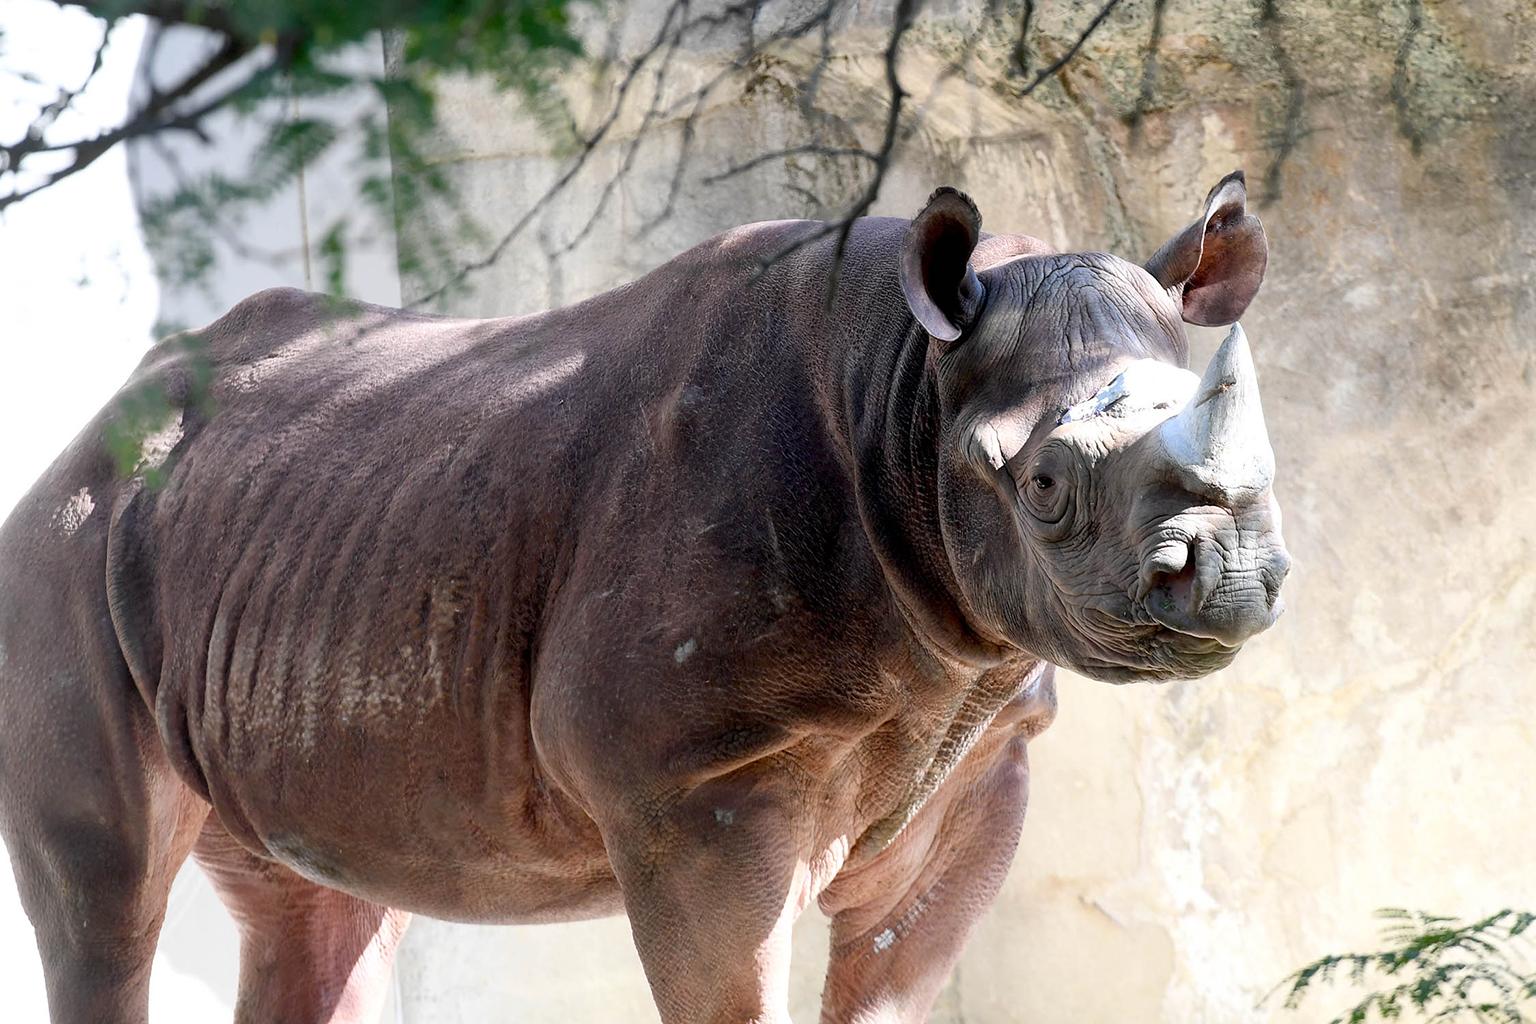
94	867
308	954
93	816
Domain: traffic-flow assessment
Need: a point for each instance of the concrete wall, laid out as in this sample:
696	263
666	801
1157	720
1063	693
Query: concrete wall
1187	845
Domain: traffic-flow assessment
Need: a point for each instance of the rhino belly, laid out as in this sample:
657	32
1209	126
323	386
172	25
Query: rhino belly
418	817
387	754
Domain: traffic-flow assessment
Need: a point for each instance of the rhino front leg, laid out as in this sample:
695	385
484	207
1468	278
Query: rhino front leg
900	921
712	884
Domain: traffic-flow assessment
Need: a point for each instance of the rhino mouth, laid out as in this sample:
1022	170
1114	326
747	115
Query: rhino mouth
1164	662
1128	644
1193	643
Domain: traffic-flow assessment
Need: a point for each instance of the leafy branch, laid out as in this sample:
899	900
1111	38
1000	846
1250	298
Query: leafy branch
1435	967
273	56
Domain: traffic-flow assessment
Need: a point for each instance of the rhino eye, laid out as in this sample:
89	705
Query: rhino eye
1048	498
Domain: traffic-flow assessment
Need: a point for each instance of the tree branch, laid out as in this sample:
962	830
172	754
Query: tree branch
588	146
154	116
808	149
665	43
196	14
1291	129
1055	67
1148	72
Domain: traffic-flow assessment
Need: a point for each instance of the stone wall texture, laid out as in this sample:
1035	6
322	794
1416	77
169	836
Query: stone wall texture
1187	845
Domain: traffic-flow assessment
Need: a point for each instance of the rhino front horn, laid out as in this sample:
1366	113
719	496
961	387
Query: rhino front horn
1218	442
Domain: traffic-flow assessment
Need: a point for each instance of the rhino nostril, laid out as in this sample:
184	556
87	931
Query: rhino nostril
1169	567
1181	589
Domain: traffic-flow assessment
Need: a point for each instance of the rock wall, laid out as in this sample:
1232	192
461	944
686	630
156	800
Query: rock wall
1187	845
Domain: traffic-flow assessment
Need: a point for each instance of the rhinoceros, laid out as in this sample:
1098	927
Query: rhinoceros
698	601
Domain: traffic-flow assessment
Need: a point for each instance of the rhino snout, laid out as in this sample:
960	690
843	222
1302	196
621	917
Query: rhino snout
1201	588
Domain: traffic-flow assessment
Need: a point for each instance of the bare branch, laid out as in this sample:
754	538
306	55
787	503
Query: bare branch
159	102
154	116
747	11
664	43
1148	72
196	13
588	146
32	141
881	157
51	113
1292	129
1021	41
809	149
906	13
1053	68
633	147
680	162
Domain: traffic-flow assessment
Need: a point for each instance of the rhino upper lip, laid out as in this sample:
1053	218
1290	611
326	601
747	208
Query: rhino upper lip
1164	639
1165	642
1191	643
1185	642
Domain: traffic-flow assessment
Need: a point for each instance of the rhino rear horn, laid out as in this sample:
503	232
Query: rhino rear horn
1215	265
942	289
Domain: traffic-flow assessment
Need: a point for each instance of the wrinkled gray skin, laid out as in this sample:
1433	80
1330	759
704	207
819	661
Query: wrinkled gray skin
697	601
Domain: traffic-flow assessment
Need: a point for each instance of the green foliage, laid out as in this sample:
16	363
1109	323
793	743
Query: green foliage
274	67
278	60
1434	969
493	36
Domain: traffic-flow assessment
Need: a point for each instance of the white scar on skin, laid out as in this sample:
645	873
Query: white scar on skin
685	650
1148	383
157	446
74	512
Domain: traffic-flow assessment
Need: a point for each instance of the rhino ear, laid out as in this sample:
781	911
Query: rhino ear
1216	264
941	287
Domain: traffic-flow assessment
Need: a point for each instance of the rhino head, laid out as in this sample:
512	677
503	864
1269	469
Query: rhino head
1101	506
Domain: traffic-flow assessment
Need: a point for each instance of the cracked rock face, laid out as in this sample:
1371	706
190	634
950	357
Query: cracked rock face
1194	842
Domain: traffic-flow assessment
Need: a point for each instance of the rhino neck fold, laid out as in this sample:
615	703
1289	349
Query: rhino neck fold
893	423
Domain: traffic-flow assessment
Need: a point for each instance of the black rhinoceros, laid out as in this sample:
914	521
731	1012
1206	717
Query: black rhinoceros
697	601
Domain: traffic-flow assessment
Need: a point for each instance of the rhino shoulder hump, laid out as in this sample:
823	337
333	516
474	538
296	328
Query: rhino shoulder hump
261	322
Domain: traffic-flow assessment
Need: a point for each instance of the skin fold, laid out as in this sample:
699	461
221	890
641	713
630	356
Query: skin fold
699	601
